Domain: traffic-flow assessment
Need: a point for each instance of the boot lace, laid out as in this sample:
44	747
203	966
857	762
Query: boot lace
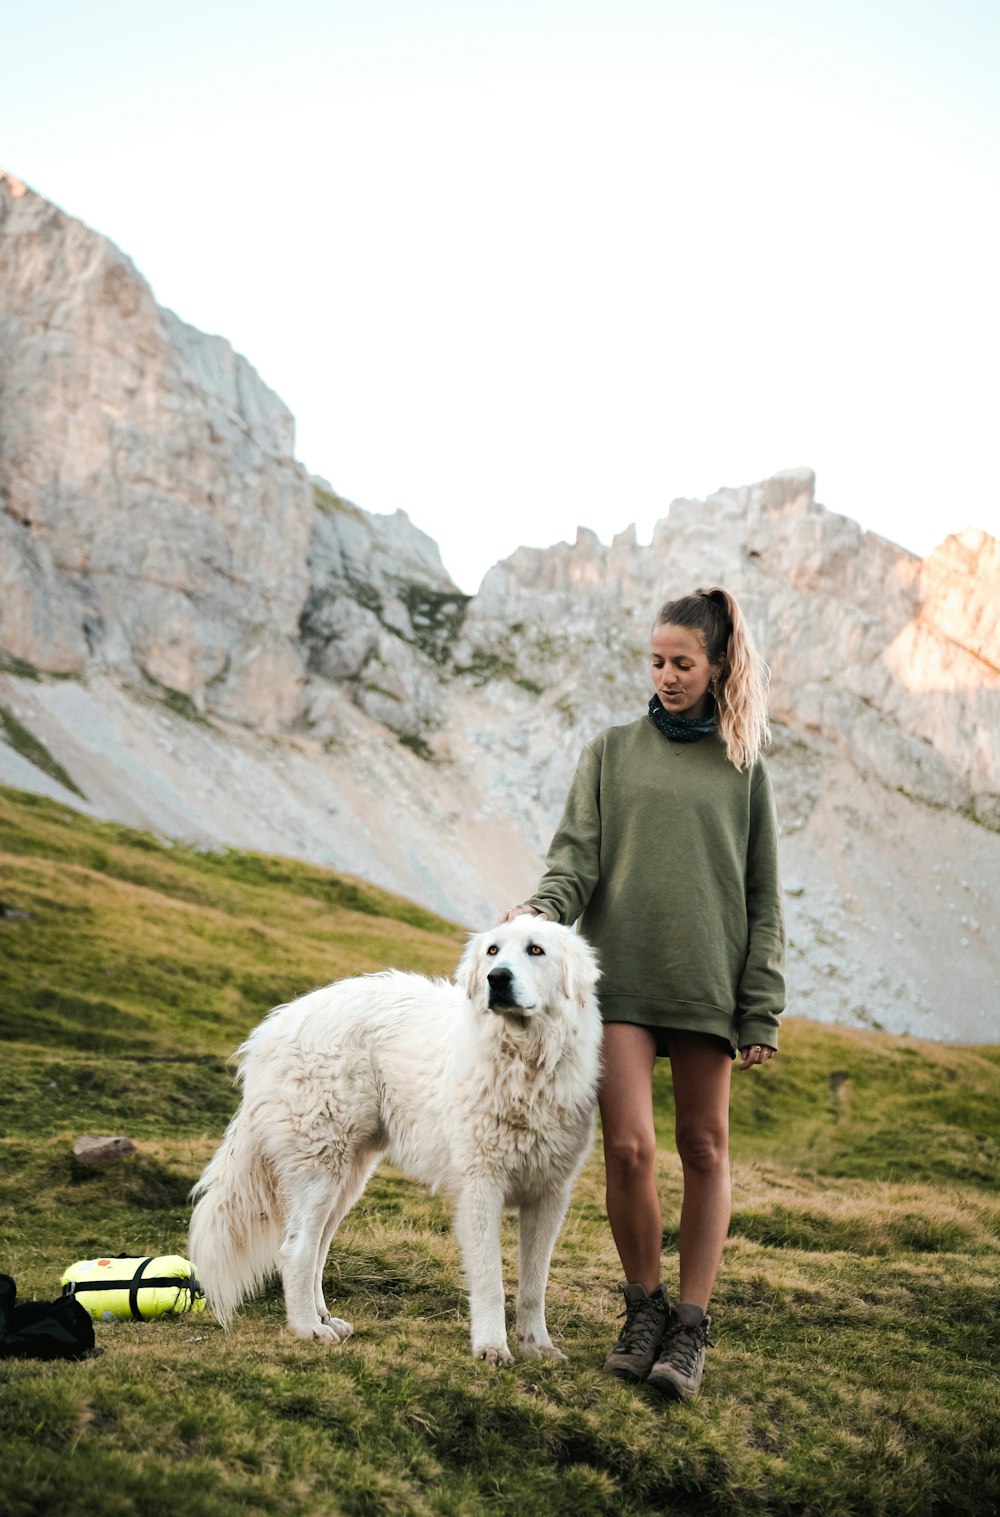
685	1344
642	1321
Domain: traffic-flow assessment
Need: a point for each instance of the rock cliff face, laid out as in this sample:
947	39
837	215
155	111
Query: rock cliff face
892	660
208	643
154	521
381	617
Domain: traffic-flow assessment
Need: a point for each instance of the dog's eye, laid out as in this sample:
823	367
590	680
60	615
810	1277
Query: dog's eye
492	949
534	948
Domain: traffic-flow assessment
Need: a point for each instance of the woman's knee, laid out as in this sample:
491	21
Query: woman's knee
705	1149
630	1155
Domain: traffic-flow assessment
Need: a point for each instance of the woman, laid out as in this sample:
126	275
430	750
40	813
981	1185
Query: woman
667	854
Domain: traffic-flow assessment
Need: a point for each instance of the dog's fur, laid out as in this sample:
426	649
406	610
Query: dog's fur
484	1089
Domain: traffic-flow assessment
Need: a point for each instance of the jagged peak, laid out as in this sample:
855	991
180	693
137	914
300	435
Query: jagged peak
15	187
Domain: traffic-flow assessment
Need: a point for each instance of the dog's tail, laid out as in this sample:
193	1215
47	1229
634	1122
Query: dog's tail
237	1223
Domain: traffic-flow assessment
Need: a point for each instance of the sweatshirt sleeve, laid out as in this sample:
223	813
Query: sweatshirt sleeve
762	984
574	857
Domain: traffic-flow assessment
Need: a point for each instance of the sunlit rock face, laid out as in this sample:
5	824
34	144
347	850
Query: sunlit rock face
890	659
154	520
255	661
960	585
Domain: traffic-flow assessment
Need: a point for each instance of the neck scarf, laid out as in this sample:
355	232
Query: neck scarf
678	728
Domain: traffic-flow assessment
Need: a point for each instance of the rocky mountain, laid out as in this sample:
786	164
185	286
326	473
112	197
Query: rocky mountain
198	638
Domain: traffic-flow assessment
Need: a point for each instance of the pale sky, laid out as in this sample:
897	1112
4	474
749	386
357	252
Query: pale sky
518	267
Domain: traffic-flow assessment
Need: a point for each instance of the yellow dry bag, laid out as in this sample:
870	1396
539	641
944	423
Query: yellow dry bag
110	1288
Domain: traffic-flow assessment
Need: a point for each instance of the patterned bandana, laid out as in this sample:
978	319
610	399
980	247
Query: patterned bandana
677	728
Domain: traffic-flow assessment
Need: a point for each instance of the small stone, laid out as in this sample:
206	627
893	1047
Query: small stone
103	1150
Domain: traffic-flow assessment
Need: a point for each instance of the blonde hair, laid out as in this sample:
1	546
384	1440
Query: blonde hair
740	690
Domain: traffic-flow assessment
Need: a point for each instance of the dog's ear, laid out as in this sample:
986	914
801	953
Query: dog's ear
580	971
471	974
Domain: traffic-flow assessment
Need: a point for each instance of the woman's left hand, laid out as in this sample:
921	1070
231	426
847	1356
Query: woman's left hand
756	1053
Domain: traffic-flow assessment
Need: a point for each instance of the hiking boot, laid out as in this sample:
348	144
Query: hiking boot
646	1320
681	1364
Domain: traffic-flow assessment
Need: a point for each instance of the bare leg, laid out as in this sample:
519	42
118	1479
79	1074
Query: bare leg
626	1101
539	1227
702	1071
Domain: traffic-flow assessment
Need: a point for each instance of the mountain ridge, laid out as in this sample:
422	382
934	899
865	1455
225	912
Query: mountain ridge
217	647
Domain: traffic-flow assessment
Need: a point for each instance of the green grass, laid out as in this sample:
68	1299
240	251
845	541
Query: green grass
332	504
854	1367
417	744
485	667
436	617
179	702
17	736
19	666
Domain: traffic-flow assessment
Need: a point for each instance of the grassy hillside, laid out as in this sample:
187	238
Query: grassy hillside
855	1319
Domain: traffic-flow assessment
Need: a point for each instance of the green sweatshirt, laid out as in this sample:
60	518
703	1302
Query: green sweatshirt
667	853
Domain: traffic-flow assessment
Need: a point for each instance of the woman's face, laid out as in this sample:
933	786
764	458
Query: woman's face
681	671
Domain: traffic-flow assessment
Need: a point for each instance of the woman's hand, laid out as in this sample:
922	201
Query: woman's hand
756	1053
522	911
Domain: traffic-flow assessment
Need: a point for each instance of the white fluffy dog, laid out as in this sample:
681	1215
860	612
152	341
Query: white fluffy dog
484	1089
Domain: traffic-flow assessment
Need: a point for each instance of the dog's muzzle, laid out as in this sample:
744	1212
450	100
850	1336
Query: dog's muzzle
501	992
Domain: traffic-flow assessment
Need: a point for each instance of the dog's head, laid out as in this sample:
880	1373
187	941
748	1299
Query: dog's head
526	967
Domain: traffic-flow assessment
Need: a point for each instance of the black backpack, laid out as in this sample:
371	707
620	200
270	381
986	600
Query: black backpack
59	1329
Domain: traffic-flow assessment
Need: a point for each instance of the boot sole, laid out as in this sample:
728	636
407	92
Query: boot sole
669	1389
623	1374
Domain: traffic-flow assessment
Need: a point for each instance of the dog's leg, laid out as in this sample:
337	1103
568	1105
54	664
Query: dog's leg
540	1222
310	1202
357	1178
477	1225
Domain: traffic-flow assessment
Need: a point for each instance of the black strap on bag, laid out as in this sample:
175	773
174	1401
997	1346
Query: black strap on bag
133	1294
59	1329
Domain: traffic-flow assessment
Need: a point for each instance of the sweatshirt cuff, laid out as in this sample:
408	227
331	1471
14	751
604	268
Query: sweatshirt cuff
540	903
757	1028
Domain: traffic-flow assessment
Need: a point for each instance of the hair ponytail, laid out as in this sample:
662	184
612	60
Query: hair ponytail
740	688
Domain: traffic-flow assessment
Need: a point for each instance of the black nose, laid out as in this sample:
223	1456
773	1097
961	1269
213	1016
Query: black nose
499	978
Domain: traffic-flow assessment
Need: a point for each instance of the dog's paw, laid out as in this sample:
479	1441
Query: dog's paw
494	1353
538	1345
337	1328
330	1330
532	1350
